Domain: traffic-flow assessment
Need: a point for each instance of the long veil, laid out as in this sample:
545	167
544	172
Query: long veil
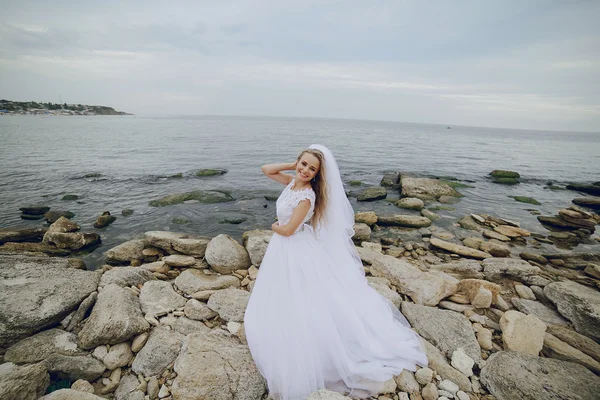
337	226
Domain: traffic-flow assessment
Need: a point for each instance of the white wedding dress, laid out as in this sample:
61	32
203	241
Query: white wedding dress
313	323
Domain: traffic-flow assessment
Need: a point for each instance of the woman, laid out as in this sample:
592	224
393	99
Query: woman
313	321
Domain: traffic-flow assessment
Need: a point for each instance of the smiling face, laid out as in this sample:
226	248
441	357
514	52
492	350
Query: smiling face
307	167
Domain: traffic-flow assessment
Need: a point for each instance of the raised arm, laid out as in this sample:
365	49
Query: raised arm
297	217
273	171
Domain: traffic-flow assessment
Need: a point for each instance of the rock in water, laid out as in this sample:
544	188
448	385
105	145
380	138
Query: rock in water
512	375
426	188
104	220
39	292
372	194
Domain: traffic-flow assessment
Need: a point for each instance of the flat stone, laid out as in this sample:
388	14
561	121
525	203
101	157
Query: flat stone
372	194
410	221
41	345
447	330
461	269
578	341
511	231
458	249
512	375
192	280
230	304
556	348
178	260
38	292
410	203
158	297
21	234
495	235
496	268
198	311
543	312
126	276
437	362
174	243
580	304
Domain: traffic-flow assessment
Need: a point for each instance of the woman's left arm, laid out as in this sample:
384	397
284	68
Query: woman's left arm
298	216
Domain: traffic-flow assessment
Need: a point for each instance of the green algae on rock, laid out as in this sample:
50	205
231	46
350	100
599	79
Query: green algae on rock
201	196
525	199
211	172
355	183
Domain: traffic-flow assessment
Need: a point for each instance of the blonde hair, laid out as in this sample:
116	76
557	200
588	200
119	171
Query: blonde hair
319	186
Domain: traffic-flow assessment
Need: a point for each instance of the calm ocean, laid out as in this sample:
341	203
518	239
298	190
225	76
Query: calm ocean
44	158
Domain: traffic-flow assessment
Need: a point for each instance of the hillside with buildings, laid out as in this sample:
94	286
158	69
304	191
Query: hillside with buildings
8	107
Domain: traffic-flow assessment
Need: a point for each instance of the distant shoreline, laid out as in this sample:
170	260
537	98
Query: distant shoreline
8	107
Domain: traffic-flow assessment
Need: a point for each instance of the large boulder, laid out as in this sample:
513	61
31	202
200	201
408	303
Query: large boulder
158	297
410	221
216	366
175	243
512	375
256	243
38	292
230	304
447	330
191	281
115	318
160	350
422	287
579	304
125	252
225	255
459	249
426	188
28	382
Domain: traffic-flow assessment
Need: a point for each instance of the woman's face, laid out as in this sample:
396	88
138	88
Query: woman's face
307	167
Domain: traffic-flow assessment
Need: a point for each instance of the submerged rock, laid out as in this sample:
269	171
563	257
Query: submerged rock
426	188
201	196
372	194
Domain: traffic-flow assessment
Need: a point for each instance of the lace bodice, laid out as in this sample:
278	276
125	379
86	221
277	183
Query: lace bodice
289	199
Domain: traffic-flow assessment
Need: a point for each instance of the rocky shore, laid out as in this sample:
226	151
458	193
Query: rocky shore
503	313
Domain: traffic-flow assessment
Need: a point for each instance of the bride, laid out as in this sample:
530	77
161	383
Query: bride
312	320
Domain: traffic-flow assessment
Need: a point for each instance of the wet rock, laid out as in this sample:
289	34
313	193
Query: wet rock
211	172
589	189
226	255
34	210
200	196
27	382
579	304
410	221
39	292
104	220
410	203
447	330
372	194
256	243
21	234
512	375
53	216
391	180
116	317
366	217
214	365
426	188
125	252
589	202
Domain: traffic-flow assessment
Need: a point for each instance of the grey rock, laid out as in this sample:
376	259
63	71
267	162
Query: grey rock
446	329
160	350
426	188
116	317
41	345
175	243
580	304
82	310
21	234
127	385
225	255
223	366
512	375
184	325
125	252
256	243
437	362
372	194
126	276
545	313
198	311
230	304
496	268
192	280
70	394
461	269
38	292
158	297
75	367
28	382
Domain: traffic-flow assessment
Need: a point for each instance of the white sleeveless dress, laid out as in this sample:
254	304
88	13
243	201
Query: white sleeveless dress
309	326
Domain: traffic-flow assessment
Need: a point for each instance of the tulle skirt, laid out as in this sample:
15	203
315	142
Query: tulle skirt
312	324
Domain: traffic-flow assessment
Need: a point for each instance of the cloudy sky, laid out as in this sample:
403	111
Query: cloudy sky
522	64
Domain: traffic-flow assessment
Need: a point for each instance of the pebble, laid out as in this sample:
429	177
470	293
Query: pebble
448	386
424	375
163	392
